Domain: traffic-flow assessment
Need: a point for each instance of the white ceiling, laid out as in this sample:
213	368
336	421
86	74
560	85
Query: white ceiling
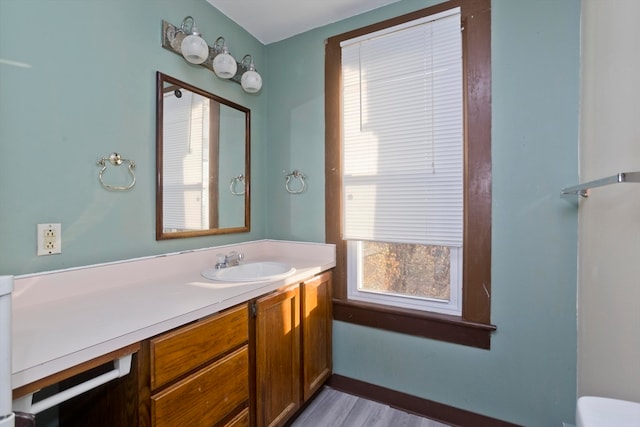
274	20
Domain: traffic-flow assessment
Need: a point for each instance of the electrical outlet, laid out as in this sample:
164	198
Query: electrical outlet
49	239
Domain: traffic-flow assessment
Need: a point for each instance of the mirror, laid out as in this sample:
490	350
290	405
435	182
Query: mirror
202	161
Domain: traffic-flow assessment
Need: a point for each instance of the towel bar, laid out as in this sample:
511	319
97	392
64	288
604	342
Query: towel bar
583	189
122	367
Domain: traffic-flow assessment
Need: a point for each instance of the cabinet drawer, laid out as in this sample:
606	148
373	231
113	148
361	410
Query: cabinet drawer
205	397
240	420
179	352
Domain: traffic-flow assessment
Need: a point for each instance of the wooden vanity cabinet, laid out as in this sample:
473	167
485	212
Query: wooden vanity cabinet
199	373
224	370
277	347
317	318
292	348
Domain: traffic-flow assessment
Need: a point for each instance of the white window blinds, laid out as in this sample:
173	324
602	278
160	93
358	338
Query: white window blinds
403	133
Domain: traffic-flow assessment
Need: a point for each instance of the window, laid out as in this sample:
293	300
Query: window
408	172
402	163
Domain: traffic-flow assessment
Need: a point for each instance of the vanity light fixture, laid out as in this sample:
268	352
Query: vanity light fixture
250	81
187	42
193	47
224	65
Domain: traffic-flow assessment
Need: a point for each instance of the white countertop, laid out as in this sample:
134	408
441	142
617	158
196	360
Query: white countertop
67	317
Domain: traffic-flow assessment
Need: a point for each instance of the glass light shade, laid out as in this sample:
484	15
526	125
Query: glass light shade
251	81
224	65
194	49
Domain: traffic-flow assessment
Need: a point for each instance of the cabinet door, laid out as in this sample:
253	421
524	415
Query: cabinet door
277	357
316	333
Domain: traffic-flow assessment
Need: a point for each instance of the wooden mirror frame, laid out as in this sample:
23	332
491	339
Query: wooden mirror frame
161	80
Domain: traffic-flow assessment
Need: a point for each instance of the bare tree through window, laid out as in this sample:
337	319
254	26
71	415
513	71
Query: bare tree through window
407	269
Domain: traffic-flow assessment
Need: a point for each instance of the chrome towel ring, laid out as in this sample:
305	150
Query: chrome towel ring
295	174
232	186
116	160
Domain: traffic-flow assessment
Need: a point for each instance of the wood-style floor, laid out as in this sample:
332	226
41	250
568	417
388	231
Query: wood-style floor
332	408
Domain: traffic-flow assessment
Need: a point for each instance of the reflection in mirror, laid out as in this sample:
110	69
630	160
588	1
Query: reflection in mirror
202	146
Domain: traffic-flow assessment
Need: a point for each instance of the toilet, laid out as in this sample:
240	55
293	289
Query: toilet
593	411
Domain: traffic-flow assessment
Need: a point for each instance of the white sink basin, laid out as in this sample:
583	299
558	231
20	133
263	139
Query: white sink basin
605	412
250	272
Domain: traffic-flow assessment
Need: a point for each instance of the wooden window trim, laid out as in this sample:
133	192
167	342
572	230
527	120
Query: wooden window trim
473	327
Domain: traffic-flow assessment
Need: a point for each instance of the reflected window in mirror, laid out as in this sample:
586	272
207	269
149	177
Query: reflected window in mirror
203	166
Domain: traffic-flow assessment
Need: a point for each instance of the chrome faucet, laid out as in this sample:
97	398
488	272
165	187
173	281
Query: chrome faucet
230	260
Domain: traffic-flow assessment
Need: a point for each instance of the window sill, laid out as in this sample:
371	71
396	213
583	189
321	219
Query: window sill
441	327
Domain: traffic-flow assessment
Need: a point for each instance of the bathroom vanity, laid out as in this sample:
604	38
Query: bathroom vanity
293	348
202	352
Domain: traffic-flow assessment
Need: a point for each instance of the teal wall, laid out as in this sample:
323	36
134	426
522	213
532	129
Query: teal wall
90	91
529	375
